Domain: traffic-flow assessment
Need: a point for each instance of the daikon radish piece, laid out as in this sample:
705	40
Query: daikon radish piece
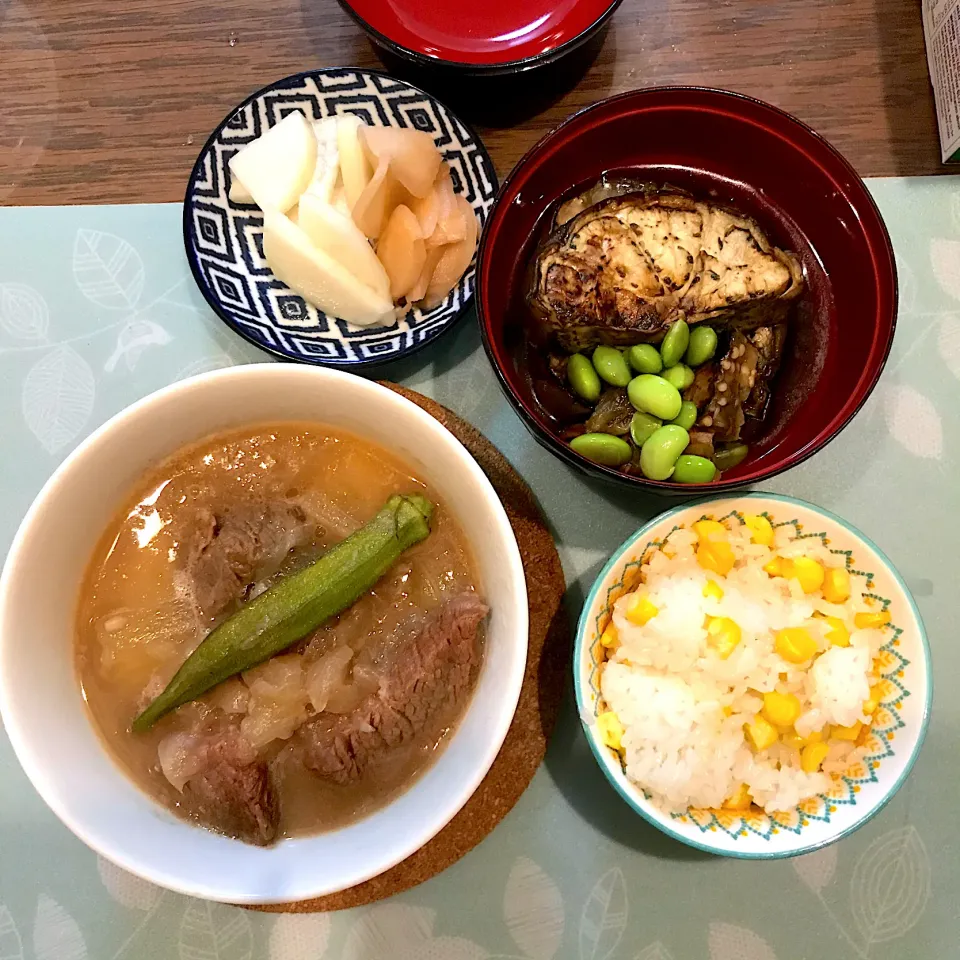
413	156
355	169
451	226
319	278
423	281
402	251
455	259
327	168
277	167
377	201
238	192
339	237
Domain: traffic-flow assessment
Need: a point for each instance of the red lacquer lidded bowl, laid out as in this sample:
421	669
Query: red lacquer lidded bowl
489	38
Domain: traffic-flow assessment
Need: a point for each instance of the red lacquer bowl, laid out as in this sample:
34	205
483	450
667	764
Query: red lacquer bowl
481	38
765	163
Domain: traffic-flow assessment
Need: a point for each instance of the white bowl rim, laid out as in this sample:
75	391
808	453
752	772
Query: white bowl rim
631	795
20	739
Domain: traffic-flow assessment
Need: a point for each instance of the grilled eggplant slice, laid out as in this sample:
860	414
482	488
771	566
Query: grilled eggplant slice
624	269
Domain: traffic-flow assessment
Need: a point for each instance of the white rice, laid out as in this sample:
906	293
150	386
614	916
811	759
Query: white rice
683	708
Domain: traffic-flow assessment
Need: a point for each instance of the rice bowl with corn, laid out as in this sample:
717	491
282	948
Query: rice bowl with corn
736	667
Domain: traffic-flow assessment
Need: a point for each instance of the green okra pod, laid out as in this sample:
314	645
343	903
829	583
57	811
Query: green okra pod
297	605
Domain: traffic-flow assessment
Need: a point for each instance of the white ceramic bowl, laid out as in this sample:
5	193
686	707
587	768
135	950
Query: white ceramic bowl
899	725
40	698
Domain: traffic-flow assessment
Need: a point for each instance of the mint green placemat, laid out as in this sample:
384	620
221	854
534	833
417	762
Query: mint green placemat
97	308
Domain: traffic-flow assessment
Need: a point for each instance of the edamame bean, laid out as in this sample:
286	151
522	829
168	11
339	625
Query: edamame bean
680	375
691	469
702	345
602	448
687	416
609	362
642	427
583	378
645	358
660	452
726	458
674	344
652	394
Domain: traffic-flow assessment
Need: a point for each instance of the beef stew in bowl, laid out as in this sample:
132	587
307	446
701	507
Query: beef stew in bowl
71	761
342	718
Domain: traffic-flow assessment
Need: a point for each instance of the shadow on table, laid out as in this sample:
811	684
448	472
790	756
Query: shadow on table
576	774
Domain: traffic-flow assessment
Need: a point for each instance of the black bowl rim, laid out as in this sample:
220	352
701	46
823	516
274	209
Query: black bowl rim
609	474
189	242
502	68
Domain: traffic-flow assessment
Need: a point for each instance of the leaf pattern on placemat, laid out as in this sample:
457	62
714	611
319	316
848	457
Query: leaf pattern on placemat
945	261
656	951
23	312
107	269
948	343
57	397
388	929
125	888
913	421
729	942
215	931
604	917
132	340
816	869
56	935
11	946
299	936
533	910
890	885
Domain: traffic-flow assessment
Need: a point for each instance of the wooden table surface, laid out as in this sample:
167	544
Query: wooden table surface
109	101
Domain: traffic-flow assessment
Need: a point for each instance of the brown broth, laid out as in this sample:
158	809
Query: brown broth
136	623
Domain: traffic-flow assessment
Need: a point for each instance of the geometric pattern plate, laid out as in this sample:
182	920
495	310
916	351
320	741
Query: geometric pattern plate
224	240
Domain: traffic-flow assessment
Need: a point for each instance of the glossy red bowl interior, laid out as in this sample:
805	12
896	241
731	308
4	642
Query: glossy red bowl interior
765	163
488	34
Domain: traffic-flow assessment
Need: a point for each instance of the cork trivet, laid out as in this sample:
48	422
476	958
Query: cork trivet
548	654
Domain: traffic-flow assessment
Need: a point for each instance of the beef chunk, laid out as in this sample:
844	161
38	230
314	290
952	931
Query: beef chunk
231	548
232	792
430	673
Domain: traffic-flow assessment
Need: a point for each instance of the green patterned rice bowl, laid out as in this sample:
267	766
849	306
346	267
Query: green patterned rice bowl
899	723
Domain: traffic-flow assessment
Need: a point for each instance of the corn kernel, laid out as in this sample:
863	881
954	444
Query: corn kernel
760	732
781	709
609	637
710	530
723	635
760	530
864	621
812	756
836	585
876	696
713	589
640	609
795	644
716	556
740	799
838	634
775	567
611	730
808	572
815	736
847	733
793	739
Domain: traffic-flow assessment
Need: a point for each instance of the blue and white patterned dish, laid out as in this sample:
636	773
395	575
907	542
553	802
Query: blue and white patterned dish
224	240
